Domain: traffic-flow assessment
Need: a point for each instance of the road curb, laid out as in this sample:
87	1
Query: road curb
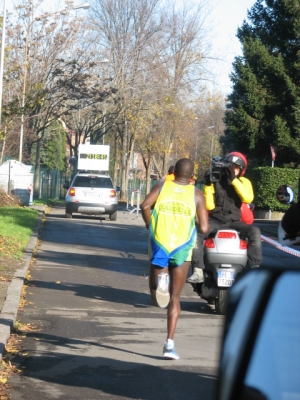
10	308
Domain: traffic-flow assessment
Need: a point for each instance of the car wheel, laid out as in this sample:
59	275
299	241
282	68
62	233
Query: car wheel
221	302
68	215
113	216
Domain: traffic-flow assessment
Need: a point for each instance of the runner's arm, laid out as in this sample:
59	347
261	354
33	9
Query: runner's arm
147	204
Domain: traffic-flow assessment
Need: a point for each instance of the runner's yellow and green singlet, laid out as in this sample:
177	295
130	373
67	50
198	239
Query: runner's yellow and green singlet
172	226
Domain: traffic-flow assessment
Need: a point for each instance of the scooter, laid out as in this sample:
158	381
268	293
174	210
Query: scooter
285	195
225	255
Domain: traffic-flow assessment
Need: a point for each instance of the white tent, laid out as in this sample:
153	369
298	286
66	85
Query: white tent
17	179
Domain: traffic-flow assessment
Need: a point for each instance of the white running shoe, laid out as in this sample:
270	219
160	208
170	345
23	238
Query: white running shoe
162	294
169	352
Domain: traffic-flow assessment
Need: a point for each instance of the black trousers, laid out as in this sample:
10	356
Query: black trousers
250	232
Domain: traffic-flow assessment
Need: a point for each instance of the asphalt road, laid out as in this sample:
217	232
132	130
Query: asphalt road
96	334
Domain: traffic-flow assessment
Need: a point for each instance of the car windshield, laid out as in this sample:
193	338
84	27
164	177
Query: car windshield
274	370
93	182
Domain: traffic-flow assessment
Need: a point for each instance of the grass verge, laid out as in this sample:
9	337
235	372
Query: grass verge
16	225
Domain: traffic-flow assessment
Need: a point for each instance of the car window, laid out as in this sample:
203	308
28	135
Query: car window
274	369
93	182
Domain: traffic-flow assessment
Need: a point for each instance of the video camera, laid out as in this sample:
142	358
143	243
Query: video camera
217	165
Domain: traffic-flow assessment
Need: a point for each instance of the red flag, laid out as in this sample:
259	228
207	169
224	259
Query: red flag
273	152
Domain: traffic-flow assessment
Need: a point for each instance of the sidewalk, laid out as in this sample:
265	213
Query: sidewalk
10	292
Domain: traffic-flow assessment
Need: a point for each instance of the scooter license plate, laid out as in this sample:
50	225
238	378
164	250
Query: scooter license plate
225	278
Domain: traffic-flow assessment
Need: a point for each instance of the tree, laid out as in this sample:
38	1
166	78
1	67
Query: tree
263	108
144	97
53	152
156	54
178	55
34	45
85	97
59	73
126	28
209	127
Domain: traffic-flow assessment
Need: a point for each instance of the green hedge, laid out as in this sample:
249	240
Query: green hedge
265	182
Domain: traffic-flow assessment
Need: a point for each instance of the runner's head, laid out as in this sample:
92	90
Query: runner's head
184	168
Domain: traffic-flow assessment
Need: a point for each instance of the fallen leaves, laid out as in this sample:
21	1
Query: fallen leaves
7	199
13	356
7	368
23	328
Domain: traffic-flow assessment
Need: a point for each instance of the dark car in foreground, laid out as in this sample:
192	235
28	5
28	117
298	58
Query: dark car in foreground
91	194
261	345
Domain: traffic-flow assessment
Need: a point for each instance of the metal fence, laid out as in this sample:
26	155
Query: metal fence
52	187
140	184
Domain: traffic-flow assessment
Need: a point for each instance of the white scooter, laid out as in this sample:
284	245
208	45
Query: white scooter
285	195
225	255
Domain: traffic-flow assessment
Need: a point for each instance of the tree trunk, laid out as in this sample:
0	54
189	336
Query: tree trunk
3	149
148	173
124	163
128	159
116	166
36	182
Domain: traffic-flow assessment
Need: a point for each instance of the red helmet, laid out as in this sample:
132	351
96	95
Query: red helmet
238	159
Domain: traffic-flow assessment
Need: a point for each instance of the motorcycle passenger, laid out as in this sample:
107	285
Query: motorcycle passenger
223	201
171	174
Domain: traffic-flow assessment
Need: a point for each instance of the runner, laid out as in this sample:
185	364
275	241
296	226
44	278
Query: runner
178	205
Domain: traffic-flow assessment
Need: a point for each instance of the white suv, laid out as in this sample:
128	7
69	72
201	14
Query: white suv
92	194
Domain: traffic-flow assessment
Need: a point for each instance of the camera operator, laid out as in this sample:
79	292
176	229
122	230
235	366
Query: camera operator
223	201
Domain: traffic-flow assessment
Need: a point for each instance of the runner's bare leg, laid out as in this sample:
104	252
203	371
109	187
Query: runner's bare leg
178	277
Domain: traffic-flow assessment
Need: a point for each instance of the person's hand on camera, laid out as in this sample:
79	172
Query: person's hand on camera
207	180
231	172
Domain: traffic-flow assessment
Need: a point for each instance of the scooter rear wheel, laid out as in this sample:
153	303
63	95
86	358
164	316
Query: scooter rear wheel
221	301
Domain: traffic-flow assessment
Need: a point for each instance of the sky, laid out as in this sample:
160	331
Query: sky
226	17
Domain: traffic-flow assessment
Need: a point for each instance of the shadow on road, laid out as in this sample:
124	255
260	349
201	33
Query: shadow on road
201	307
112	376
118	296
100	292
96	235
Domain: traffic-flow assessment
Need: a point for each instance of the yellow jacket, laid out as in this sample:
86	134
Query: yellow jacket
242	186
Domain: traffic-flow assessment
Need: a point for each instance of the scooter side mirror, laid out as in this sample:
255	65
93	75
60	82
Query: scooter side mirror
285	194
